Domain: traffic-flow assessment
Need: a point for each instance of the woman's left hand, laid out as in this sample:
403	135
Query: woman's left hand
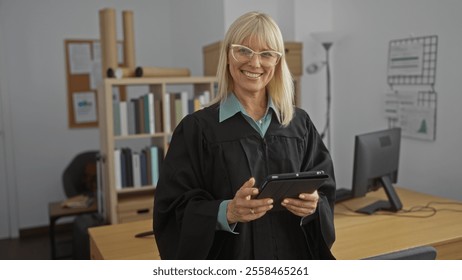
305	205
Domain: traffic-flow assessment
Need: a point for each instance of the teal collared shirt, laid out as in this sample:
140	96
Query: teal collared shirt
228	108
231	106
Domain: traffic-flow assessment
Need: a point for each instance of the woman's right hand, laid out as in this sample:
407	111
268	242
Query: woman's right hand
244	208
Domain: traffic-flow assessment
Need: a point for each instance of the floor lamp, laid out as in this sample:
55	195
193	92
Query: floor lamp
326	39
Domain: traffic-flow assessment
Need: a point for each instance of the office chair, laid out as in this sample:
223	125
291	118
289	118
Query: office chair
415	253
79	177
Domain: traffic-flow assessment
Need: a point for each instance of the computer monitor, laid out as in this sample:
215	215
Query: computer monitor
376	160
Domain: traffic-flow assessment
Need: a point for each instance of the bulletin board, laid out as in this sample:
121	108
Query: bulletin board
412	66
412	61
84	74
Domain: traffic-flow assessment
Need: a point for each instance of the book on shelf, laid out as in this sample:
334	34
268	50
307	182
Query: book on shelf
127	167
149	117
123	169
137	168
141	119
204	99
117	169
143	168
178	107
123	118
156	158
178	110
173	97
191	105
131	120
136	114
158	116
167	113
116	117
155	163
147	152
184	105
197	104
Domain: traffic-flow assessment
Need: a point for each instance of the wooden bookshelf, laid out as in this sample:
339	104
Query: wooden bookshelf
136	203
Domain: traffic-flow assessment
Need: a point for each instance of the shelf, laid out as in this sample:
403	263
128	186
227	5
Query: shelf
152	81
134	203
136	189
140	136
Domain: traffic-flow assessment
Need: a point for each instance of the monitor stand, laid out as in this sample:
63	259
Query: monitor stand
393	204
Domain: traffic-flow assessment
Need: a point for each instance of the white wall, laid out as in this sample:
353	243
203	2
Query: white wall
281	11
360	83
194	24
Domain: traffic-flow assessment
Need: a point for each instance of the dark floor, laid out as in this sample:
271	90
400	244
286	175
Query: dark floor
36	247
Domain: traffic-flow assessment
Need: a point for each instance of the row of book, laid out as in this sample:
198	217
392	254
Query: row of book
137	115
134	169
147	114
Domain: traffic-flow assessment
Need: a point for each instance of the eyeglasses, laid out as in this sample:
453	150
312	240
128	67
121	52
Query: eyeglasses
244	54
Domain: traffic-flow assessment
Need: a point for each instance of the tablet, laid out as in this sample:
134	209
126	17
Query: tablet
290	185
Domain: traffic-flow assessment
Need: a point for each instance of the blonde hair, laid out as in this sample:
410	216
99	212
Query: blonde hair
263	28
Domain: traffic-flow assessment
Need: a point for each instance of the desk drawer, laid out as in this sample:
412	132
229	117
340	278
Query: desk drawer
135	210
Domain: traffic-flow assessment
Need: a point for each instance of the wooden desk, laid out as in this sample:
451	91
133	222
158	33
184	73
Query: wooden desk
358	236
118	242
56	212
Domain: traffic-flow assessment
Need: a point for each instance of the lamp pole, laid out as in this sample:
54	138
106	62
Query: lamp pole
327	129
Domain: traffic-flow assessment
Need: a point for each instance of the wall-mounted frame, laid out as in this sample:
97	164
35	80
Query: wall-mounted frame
83	75
412	67
412	61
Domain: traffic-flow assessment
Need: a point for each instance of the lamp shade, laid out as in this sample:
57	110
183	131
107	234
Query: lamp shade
327	37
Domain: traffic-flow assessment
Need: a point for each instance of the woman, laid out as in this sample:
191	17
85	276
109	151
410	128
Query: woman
205	205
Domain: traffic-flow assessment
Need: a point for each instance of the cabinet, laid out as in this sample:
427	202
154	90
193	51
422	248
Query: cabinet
136	203
293	53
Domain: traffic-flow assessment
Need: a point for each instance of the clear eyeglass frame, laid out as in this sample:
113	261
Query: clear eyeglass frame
267	58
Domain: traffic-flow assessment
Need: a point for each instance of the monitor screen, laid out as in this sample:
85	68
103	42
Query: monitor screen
376	160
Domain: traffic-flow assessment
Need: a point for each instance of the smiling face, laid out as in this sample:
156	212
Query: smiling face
250	78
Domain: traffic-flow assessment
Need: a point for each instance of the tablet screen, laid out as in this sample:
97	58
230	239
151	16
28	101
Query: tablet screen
290	185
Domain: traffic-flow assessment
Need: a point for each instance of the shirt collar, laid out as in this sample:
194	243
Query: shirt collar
231	106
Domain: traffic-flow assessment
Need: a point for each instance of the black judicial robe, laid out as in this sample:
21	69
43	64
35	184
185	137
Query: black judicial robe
208	161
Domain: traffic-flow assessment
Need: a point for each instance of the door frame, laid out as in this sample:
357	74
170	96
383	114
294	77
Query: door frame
4	205
8	182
